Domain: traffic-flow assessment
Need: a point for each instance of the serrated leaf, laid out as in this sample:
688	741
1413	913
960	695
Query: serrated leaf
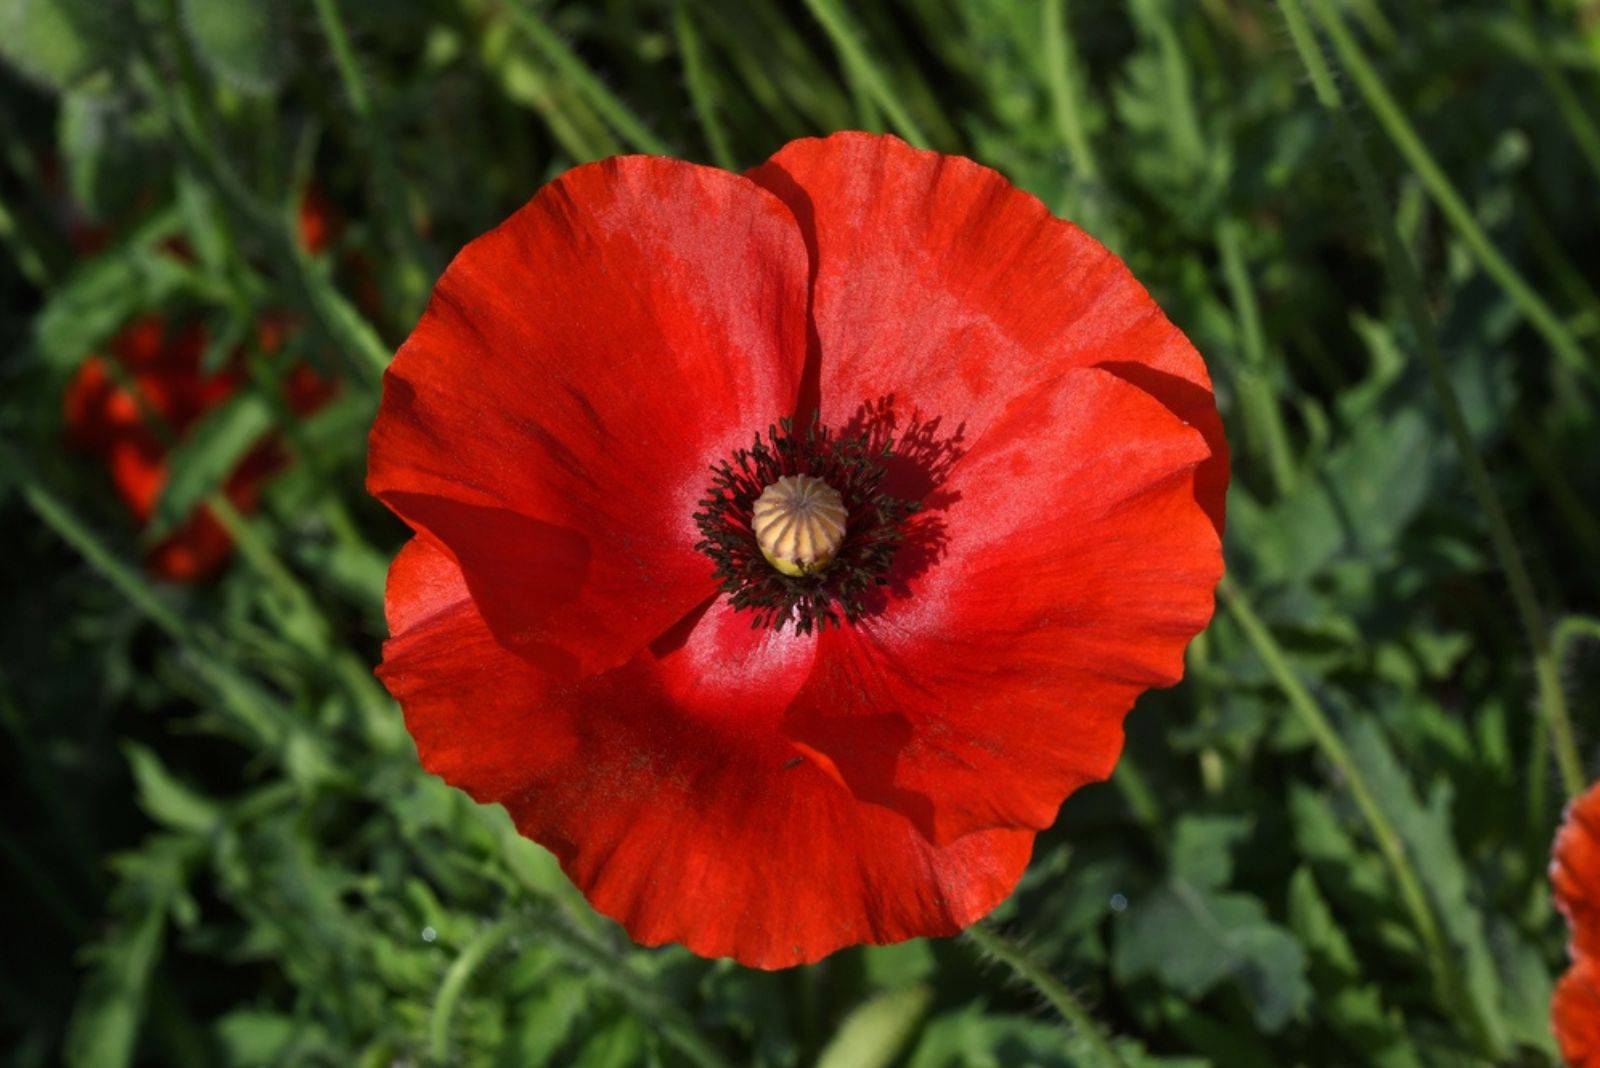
1430	838
1192	938
874	1034
201	464
1312	919
1353	1010
243	42
1202	849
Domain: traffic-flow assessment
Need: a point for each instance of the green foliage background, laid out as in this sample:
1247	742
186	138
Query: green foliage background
1327	847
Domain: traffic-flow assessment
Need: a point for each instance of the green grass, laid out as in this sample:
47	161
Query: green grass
1328	846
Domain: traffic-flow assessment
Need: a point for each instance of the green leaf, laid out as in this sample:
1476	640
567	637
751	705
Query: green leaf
1202	849
874	1034
1428	834
245	43
201	464
58	43
1192	937
619	1045
165	799
104	1030
103	294
1353	1010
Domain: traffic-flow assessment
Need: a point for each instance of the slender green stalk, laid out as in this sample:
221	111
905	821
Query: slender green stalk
1551	699
1584	132
1263	420
1394	121
70	529
455	982
1570	629
702	94
343	58
1036	975
1441	961
837	26
1062	74
390	184
565	61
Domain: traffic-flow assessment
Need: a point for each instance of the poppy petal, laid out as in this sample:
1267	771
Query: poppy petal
1575	1014
669	795
1073	566
1575	872
552	418
936	275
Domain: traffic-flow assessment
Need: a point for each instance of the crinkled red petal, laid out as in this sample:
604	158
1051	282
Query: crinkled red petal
1059	570
1575	1014
666	788
941	283
552	417
1575	872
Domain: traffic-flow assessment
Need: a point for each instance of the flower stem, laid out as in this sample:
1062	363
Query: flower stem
1393	119
1551	699
856	57
455	981
1036	975
66	525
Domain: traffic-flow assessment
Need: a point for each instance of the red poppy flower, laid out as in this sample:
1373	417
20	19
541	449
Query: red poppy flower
158	381
987	471
1575	877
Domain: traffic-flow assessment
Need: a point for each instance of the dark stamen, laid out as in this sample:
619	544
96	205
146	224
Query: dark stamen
838	592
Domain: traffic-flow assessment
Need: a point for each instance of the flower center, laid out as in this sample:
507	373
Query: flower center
799	522
799	527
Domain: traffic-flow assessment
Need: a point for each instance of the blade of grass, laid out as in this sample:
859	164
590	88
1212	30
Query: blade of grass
702	93
1404	136
860	64
1441	961
1552	701
565	62
1062	73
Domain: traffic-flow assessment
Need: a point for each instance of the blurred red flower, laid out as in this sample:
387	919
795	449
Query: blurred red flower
1033	469
1575	877
152	377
